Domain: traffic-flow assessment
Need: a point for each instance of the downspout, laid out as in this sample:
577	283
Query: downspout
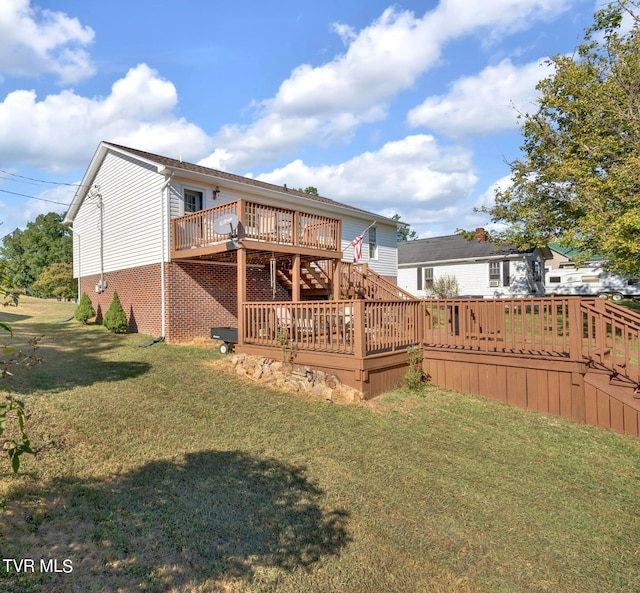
163	226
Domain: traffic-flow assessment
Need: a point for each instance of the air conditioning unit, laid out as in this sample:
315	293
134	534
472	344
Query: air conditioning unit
494	283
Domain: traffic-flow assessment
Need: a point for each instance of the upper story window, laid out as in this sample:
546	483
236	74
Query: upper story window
193	200
373	243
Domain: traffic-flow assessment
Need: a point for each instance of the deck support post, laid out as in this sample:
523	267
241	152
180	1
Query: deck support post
241	271
336	277
295	278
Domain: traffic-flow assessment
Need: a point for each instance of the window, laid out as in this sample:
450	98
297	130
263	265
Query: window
424	279
506	278
554	279
373	243
428	278
494	271
192	200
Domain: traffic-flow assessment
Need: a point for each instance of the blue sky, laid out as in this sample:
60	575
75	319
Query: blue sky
405	108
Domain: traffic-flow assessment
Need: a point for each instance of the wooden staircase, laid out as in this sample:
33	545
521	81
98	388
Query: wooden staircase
314	281
611	343
359	281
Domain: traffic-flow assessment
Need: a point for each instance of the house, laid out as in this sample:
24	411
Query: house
482	268
185	245
564	257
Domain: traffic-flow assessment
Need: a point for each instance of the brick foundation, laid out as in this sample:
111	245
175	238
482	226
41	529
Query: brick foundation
198	297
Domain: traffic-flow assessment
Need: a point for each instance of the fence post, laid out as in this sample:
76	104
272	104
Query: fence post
575	328
359	335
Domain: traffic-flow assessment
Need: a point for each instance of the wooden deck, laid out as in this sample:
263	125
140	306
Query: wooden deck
261	228
558	355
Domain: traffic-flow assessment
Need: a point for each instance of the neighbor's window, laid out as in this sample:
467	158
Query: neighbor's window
193	200
494	271
506	277
373	243
428	278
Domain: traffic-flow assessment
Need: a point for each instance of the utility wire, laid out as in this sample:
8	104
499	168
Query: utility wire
39	180
6	191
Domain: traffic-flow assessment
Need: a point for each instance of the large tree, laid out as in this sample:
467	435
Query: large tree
28	252
578	182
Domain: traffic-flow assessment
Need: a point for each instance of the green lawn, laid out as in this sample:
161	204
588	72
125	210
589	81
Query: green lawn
158	472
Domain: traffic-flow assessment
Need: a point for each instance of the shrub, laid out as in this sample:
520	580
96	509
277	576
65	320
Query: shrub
85	309
446	287
115	318
415	376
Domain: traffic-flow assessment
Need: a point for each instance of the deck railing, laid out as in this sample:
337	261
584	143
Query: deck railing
360	281
595	332
491	325
611	338
257	222
360	328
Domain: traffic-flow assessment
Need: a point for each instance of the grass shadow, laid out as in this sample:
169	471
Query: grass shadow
215	517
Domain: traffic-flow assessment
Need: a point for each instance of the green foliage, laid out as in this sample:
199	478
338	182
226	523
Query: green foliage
403	233
12	410
56	280
578	183
415	377
446	287
115	318
312	191
84	311
45	241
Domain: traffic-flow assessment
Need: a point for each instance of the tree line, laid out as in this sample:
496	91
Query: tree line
38	260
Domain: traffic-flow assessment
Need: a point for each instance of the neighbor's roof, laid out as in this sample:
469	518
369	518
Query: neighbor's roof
572	254
450	248
179	165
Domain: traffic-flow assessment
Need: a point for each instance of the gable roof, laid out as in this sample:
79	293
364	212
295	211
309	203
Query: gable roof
450	248
176	165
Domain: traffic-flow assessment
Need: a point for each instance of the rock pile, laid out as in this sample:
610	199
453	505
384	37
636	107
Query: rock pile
293	378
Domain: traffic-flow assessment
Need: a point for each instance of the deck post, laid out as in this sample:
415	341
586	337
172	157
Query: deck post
359	334
336	276
575	328
295	278
241	271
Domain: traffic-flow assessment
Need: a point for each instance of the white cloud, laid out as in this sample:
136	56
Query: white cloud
138	112
326	102
488	102
419	178
34	41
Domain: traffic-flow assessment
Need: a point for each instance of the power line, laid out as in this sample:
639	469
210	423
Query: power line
6	191
40	180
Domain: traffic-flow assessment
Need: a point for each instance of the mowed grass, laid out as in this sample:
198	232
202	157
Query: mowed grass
158	472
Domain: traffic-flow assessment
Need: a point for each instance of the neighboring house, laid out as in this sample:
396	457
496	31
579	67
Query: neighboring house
148	226
563	257
481	268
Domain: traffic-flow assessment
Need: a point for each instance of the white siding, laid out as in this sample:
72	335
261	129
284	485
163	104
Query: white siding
132	228
473	279
387	262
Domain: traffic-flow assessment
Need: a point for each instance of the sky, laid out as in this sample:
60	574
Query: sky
408	108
